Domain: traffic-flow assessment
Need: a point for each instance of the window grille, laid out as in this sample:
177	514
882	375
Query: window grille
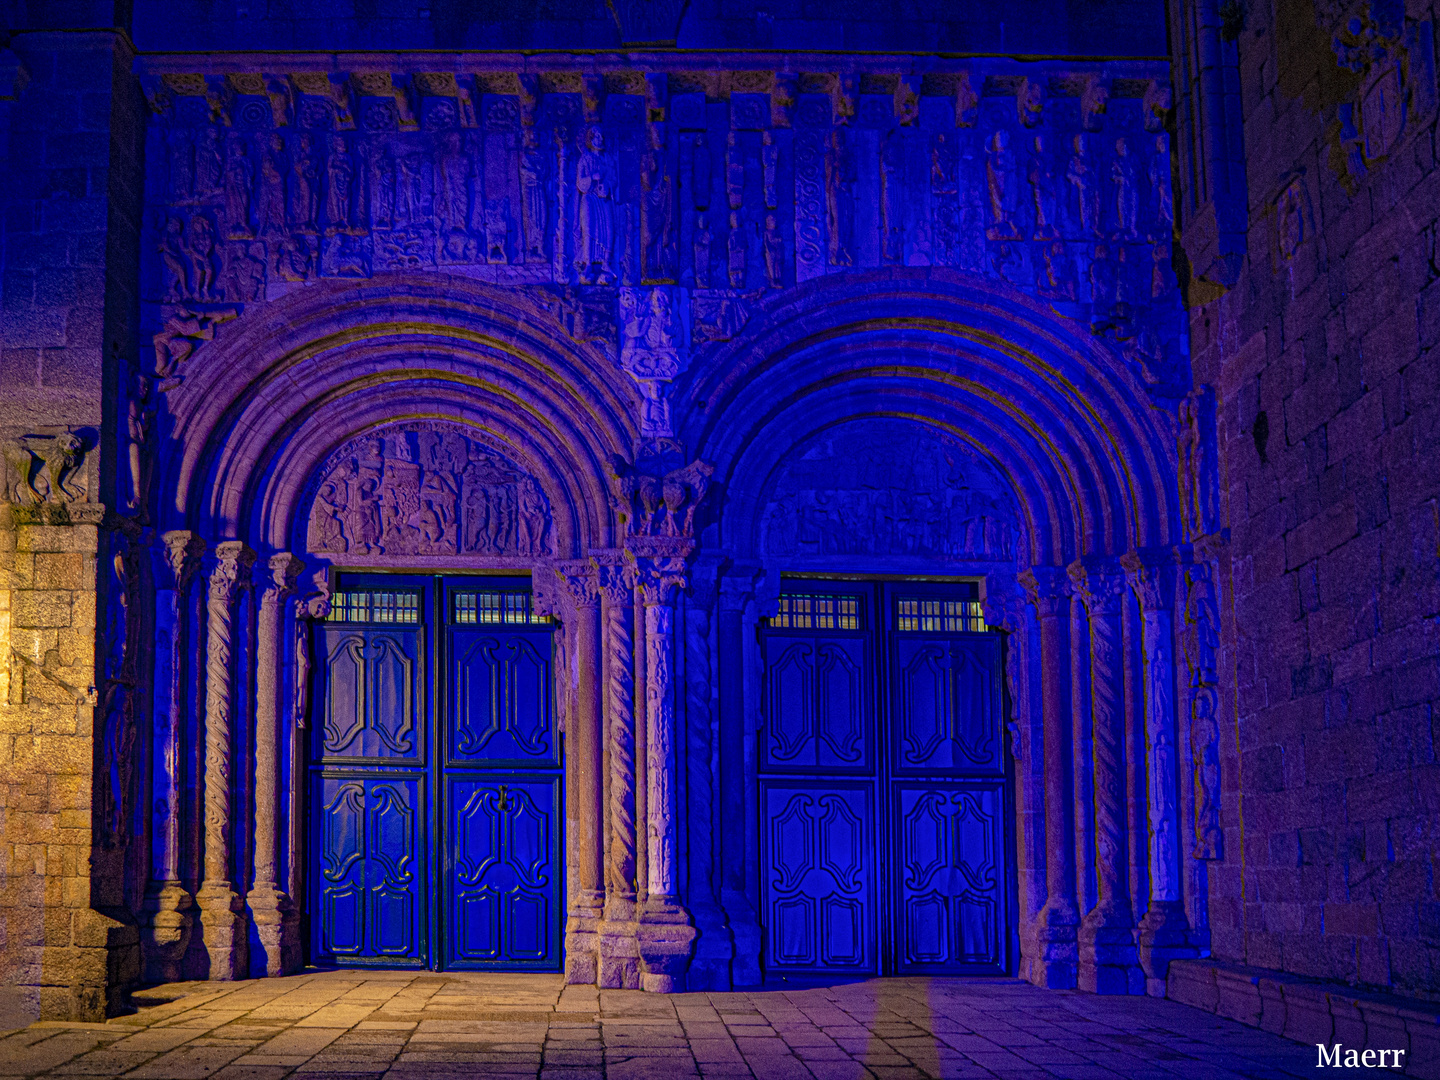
937	616
808	611
494	609
395	608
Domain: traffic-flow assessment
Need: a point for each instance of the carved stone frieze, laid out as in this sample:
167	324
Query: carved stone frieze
45	469
427	489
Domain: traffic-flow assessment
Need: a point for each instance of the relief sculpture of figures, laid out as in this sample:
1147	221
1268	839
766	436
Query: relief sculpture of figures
1127	193
840	178
239	176
304	175
270	191
532	188
339	187
595	211
1000	185
658	221
701	246
1042	188
182	333
1083	179
427	490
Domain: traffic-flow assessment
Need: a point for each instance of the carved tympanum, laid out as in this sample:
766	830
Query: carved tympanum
875	487
427	489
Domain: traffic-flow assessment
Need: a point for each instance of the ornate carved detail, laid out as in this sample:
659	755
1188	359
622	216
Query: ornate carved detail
1047	588
1199	481
873	488
661	506
617	583
580	580
183	332
427	489
230	574
183	551
653	351
1202	640
44	469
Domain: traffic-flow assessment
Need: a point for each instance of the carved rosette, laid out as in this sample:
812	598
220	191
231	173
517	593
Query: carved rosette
617	584
231	573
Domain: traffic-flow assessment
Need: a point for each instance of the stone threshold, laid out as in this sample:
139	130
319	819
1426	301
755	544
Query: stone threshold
1312	1012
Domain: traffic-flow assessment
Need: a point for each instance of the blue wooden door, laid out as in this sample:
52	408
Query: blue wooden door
882	783
435	844
502	893
369	786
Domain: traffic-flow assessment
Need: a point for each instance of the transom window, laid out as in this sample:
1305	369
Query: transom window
938	616
378	607
816	611
493	608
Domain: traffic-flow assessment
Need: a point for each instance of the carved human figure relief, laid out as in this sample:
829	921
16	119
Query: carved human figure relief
1000	186
339	188
595	212
1085	181
1127	192
427	489
239	176
1042	191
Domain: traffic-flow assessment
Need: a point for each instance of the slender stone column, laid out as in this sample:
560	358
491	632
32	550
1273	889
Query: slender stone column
582	769
1056	967
222	913
665	934
1164	932
1108	963
168	905
619	956
736	590
272	910
710	969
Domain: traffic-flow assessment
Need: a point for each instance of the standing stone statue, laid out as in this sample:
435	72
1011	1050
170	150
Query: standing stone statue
532	189
339	185
304	174
702	242
1087	186
595	227
239	176
270	190
1127	192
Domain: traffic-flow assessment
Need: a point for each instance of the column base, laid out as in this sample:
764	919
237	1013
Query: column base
1164	936
745	932
665	938
714	950
224	931
1108	961
582	939
1055	966
274	933
618	957
165	933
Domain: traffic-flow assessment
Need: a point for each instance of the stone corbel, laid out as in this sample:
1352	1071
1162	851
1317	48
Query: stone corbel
783	96
907	100
967	102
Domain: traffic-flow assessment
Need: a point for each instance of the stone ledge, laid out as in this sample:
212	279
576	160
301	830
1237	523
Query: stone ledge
1311	1012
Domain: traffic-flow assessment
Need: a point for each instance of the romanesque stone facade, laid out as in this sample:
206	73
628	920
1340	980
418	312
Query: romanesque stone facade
669	333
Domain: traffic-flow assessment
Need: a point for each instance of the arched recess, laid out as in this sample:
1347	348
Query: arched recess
1089	460
285	385
1058	413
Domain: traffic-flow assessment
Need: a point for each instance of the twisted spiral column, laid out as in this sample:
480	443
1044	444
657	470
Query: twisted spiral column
222	915
1107	952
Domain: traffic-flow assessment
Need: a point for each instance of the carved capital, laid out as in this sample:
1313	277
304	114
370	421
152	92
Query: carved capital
579	579
231	571
285	570
1005	609
1099	583
1048	589
183	550
1150	576
659	578
737	587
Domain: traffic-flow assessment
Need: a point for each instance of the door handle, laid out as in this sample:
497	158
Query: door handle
504	803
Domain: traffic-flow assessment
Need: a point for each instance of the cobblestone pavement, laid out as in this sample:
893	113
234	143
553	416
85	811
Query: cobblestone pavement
406	1026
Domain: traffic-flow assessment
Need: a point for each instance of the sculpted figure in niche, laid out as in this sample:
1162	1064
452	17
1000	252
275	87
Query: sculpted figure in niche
1042	188
1158	174
207	164
339	186
452	178
532	188
702	243
999	184
595	235
199	252
239	176
774	253
736	252
409	198
840	179
1127	193
172	259
1082	178
270	192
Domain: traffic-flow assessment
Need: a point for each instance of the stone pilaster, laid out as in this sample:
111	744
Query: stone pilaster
222	912
1055	967
1164	931
169	907
1108	963
583	774
272	910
